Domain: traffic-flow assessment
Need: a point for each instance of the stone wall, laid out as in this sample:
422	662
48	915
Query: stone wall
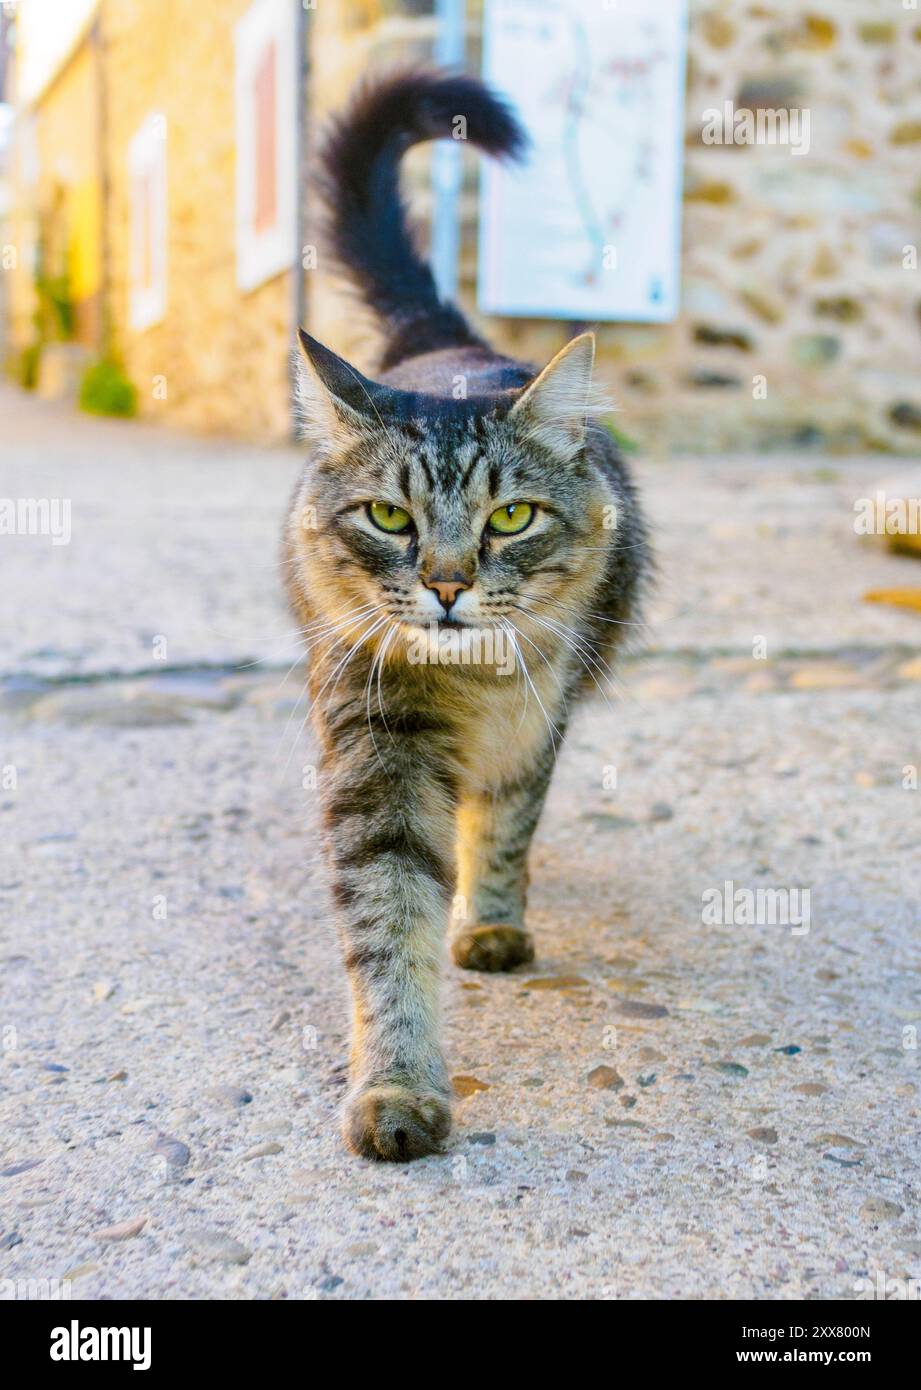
795	266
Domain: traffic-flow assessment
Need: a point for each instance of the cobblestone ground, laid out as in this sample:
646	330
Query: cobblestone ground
665	1105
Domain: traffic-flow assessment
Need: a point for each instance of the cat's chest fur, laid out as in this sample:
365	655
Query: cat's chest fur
507	738
499	725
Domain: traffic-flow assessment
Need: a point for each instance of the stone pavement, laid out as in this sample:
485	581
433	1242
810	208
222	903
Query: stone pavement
668	1104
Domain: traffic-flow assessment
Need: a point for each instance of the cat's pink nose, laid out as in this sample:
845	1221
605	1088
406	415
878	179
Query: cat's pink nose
447	590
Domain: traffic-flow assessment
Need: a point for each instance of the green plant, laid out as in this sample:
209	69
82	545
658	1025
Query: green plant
60	311
623	441
25	366
105	390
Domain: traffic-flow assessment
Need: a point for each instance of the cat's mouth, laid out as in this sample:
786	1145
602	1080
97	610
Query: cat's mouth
433	629
446	624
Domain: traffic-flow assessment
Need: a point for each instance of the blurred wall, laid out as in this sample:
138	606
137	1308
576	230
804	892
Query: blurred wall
70	192
801	304
57	210
217	359
223	354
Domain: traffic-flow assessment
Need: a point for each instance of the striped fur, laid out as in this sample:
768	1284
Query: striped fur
433	771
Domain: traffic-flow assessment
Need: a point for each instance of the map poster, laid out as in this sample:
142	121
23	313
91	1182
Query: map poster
589	227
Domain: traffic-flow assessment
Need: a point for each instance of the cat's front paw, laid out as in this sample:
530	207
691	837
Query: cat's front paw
396	1123
492	948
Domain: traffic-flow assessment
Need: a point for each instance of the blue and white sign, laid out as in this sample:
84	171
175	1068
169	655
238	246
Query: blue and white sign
590	227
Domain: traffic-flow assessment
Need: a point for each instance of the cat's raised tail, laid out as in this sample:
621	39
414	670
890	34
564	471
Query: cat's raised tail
368	226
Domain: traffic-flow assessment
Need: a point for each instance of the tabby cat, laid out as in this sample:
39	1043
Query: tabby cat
464	554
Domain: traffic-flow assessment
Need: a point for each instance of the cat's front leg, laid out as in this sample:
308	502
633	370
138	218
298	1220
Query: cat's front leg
494	836
390	814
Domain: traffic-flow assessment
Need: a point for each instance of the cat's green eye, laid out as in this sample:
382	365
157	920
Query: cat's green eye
388	518
508	521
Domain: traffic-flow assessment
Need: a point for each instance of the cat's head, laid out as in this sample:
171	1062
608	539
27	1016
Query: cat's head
467	513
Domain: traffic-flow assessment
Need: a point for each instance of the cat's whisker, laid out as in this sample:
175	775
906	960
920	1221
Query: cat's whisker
357	615
553	730
281	563
378	663
544	659
339	668
284	680
577	642
612	548
374	662
280	636
330	619
394	630
507	629
307	648
377	751
342	630
272	657
348	657
619	622
579	654
296	637
579	646
564	632
304	650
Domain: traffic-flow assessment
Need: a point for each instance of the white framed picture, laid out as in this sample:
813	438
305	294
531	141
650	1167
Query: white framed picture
148	223
265	45
589	227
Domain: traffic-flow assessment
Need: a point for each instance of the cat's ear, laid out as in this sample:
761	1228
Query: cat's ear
334	399
554	409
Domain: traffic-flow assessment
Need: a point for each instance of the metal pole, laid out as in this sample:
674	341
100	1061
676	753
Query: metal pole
299	286
446	165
